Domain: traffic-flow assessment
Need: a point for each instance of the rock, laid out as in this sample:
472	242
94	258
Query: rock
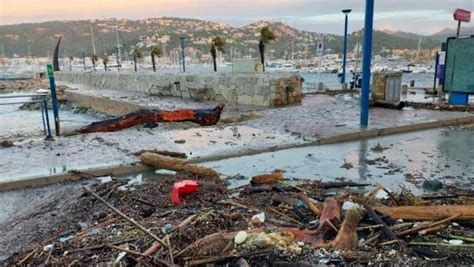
258	219
6	143
180	141
240	237
48	248
242	263
261	241
456	242
350	205
167	229
432	185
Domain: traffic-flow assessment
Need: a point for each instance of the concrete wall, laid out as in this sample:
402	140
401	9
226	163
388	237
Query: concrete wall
245	89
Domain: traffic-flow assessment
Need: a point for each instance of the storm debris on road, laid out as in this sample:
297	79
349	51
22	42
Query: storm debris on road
203	117
259	225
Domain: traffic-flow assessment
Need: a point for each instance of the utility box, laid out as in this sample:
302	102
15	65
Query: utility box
246	65
387	86
393	87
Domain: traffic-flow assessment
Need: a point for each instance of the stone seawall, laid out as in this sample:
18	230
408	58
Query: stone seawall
244	89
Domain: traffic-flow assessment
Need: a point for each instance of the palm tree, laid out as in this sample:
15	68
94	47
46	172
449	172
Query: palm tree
266	37
137	54
94	59
155	52
105	60
218	44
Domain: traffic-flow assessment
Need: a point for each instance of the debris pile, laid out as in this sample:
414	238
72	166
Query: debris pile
270	222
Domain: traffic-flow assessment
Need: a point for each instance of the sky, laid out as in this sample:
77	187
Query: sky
418	16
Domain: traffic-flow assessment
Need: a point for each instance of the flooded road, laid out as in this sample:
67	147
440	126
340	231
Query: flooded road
398	160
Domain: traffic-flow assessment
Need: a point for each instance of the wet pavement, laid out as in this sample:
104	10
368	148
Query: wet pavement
18	122
318	118
394	161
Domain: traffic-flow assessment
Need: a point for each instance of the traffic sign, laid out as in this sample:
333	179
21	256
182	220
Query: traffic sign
462	15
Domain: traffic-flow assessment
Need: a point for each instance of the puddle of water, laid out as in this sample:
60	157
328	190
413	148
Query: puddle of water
434	154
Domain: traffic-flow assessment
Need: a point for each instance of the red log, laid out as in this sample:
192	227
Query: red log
203	117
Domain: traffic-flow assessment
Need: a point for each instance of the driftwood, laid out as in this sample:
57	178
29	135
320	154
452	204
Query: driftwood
164	153
132	221
328	185
330	216
387	232
169	163
312	204
428	213
346	238
284	198
216	241
203	117
270	178
428	227
157	246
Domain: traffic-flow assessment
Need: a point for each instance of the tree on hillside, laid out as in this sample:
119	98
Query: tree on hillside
218	44
266	37
137	53
155	52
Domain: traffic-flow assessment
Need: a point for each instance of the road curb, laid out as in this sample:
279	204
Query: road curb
73	176
137	167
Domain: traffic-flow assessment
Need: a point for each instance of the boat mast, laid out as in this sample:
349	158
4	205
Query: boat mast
118	45
93	41
417	59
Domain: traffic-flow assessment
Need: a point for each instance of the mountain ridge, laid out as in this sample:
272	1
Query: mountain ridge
38	39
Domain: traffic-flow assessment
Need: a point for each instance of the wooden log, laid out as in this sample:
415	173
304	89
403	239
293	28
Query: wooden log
284	198
169	163
417	229
163	152
328	185
270	178
428	213
203	117
346	238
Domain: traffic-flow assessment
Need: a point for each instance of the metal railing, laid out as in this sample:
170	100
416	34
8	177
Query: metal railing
19	116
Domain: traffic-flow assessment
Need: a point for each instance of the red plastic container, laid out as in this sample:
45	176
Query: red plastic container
182	188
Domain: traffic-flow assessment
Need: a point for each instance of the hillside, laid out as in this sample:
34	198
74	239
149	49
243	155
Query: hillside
448	32
38	39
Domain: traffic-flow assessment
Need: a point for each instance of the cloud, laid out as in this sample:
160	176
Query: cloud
315	15
399	15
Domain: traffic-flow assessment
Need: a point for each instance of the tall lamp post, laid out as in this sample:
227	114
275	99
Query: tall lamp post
182	53
367	60
344	56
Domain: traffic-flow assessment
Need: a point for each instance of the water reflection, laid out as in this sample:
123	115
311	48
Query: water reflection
363	147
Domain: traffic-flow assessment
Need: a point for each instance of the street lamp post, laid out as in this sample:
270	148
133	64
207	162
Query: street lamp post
182	54
344	56
368	28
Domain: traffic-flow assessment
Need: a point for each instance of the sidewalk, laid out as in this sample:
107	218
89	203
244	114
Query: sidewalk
320	119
